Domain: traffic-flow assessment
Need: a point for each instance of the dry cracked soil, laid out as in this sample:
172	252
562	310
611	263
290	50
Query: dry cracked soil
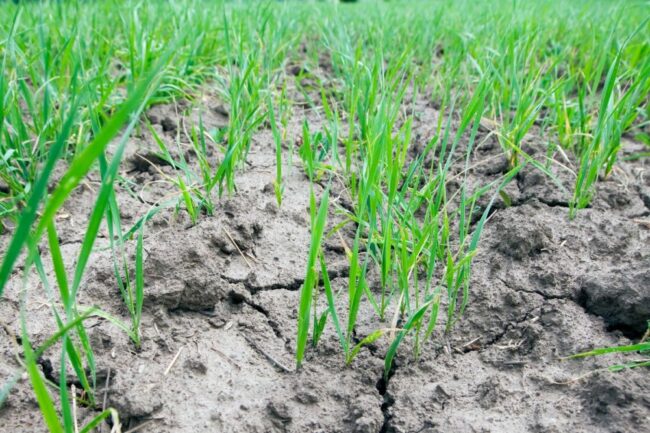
220	311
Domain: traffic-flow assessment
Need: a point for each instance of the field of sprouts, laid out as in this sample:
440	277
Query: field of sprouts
377	217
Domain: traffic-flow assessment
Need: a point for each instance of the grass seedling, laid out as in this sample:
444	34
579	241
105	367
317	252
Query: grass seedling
131	287
73	75
318	220
31	226
613	119
277	137
78	168
66	422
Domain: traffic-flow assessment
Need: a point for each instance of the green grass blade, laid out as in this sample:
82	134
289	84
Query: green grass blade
410	323
374	336
306	292
98	212
29	214
66	412
94	423
43	398
641	347
331	304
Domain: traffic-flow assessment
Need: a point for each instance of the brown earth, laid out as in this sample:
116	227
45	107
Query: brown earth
219	325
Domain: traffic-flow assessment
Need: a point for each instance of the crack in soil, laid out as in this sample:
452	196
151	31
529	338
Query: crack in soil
545	296
579	299
292	286
552	203
275	327
382	387
238	299
389	401
548	297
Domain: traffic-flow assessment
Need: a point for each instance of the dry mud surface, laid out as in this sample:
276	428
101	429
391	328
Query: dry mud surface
219	324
